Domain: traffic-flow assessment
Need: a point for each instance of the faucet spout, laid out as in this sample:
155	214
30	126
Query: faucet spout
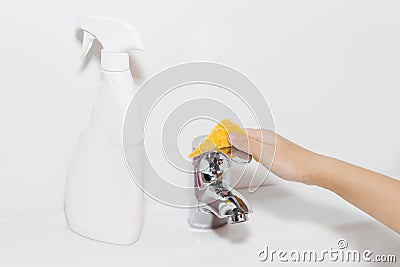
224	202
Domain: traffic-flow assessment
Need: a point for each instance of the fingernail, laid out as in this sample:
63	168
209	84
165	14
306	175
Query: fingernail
232	137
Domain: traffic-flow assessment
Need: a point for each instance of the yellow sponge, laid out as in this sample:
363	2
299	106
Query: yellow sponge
218	138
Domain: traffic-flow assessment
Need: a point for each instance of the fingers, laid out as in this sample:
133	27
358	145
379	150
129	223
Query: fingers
240	142
248	145
267	157
262	135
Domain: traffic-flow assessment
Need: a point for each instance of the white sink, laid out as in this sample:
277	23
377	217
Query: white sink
285	216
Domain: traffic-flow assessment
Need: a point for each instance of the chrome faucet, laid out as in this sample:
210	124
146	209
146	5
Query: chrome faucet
217	202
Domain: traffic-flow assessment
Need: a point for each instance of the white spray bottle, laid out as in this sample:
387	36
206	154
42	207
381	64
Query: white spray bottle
102	201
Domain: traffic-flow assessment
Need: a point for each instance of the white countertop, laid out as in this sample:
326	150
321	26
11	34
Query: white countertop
285	216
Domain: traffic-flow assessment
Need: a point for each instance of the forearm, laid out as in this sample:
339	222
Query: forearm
375	194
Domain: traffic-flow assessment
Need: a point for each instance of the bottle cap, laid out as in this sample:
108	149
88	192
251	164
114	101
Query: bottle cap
112	61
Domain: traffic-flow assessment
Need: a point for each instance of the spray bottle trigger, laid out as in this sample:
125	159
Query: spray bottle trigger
87	43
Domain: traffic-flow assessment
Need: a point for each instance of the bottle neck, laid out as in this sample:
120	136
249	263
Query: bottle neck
112	61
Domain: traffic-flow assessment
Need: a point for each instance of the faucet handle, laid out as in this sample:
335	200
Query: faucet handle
211	166
233	153
239	156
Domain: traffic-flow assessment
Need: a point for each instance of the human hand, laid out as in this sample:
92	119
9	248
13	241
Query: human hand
365	189
289	161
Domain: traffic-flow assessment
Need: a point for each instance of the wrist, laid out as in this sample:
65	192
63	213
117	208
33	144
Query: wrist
317	175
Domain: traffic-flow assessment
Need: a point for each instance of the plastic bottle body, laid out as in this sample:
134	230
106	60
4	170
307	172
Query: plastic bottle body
102	201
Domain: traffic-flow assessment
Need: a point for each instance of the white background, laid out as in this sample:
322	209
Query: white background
329	69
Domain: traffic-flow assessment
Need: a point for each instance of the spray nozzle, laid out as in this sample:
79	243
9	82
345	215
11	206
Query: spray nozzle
115	36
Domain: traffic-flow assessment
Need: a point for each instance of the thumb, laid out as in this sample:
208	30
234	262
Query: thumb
246	144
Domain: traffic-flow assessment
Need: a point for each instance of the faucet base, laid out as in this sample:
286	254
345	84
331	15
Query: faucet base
205	220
